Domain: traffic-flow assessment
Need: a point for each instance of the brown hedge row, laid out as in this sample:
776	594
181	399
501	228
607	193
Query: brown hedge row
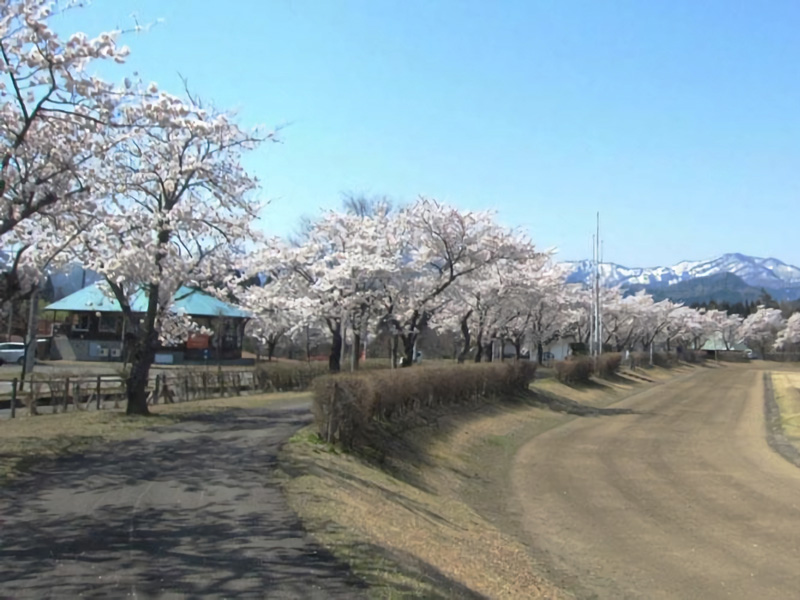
577	369
608	364
347	406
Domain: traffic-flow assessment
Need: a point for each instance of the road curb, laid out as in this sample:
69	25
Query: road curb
772	419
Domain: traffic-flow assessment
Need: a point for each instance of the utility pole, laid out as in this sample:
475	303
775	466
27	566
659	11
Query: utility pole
596	344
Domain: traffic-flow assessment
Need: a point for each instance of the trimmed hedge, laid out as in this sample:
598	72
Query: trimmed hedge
608	364
692	356
577	369
348	406
284	377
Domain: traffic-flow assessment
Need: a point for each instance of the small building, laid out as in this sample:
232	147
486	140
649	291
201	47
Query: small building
715	343
90	326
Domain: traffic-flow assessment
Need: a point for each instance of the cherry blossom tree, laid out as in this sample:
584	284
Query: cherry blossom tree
546	303
761	328
54	128
789	337
333	276
726	326
180	208
441	246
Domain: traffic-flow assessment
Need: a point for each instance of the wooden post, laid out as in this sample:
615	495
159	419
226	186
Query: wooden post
157	389
205	385
65	399
76	397
14	384
98	392
186	389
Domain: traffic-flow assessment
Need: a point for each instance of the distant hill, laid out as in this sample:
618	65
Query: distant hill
721	287
780	280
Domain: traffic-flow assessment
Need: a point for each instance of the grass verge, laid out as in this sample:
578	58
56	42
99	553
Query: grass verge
426	515
786	386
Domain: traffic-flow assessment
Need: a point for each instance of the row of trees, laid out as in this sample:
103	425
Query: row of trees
369	270
142	186
147	189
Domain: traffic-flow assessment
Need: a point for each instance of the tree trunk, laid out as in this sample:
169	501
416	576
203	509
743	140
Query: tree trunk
540	353
462	356
355	354
142	358
479	346
517	349
409	343
271	344
488	351
335	359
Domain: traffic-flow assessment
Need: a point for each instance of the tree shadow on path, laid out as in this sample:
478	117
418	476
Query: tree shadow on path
190	511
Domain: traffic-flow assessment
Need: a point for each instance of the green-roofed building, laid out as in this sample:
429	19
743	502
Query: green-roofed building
91	327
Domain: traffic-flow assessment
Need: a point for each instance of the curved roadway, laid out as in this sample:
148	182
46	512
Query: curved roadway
683	499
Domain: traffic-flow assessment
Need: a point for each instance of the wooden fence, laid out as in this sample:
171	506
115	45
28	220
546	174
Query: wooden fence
110	391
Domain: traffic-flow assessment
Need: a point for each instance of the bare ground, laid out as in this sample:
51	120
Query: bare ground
425	515
683	498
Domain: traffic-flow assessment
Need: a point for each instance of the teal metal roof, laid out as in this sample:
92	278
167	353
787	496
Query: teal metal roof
98	298
715	342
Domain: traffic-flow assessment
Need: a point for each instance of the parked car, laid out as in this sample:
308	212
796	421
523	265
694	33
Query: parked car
12	352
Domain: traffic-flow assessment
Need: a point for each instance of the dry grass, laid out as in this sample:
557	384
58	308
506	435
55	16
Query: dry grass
407	539
27	439
429	516
787	394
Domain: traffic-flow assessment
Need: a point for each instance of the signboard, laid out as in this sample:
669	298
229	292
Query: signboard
197	341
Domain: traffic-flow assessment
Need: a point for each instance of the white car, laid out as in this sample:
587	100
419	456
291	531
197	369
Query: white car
12	352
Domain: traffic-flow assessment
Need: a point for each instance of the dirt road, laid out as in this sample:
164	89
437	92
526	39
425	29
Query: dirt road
192	511
683	499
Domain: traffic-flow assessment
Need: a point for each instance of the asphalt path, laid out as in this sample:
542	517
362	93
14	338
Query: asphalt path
190	511
681	499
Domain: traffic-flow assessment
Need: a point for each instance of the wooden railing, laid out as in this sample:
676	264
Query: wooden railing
97	392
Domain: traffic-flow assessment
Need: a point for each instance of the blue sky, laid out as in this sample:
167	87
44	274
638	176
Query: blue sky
678	120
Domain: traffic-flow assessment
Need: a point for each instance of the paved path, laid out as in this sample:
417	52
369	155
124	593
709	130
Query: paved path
683	499
193	511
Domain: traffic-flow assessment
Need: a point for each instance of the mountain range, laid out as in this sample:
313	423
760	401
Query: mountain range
699	281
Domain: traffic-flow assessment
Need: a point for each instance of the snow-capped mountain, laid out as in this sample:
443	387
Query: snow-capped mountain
778	278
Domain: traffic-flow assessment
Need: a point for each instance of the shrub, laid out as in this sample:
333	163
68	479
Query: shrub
692	356
664	360
660	359
347	406
280	376
608	364
574	370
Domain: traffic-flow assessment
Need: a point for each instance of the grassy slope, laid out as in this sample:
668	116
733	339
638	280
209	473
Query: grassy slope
787	395
427	515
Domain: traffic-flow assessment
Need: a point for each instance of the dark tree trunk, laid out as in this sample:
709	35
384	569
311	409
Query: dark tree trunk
479	346
487	350
335	359
462	356
517	349
144	354
271	344
409	342
540	353
393	351
356	351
